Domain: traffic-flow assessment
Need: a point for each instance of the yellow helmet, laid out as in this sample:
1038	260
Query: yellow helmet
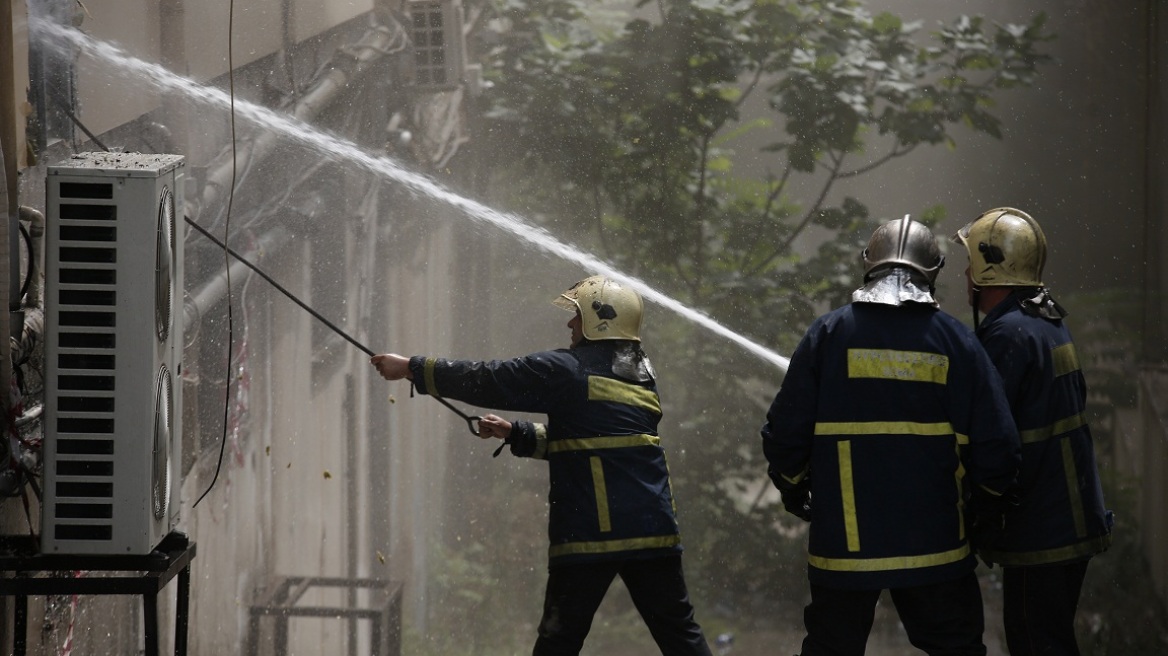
1006	249
608	309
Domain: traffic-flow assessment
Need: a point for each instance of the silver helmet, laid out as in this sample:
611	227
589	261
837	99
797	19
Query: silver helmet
905	243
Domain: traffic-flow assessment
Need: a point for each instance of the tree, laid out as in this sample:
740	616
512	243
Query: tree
611	129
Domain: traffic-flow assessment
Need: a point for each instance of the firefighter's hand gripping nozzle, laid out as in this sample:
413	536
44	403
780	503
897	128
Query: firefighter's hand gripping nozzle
798	502
796	496
396	367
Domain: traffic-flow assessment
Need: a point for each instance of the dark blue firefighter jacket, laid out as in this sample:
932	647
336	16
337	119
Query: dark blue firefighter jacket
1060	516
896	414
610	495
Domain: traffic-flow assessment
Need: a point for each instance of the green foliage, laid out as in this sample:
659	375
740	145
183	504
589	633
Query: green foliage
615	130
619	131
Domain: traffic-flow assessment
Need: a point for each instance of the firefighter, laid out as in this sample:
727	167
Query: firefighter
888	427
611	502
1060	521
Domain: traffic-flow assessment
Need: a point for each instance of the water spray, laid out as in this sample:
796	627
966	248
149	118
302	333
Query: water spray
389	168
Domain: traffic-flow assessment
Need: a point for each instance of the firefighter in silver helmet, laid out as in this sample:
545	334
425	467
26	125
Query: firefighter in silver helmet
901	264
1060	522
611	501
890	420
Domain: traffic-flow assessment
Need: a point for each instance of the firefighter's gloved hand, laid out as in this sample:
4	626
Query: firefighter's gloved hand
796	497
985	528
986	519
986	531
797	501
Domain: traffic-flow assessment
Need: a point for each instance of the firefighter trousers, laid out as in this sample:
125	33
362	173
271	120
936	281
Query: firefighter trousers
657	588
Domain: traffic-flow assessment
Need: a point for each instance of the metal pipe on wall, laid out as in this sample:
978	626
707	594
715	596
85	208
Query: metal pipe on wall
36	233
10	133
380	40
215	289
8	208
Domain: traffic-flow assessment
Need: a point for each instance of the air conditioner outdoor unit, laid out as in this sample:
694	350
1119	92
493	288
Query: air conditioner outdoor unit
113	352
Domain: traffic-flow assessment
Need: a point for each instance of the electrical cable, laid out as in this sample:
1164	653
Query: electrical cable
226	255
278	286
61	105
469	419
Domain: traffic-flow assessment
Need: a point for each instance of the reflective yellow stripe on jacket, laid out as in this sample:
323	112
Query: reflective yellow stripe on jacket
1082	549
1066	360
610	389
848	495
1057	428
939	428
615	442
884	564
601	491
887	364
610	546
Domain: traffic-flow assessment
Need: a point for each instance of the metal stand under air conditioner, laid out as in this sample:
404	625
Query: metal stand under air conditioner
35	574
382	610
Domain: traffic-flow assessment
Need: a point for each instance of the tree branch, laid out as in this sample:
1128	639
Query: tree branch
749	88
896	152
700	212
805	221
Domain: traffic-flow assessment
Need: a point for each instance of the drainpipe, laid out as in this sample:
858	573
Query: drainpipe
10	127
36	233
348	63
9	479
215	289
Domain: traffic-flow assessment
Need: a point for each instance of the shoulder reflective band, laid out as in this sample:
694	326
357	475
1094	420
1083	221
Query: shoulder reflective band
916	366
1065	359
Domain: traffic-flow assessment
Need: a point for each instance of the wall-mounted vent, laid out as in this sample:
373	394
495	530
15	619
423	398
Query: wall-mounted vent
435	28
113	347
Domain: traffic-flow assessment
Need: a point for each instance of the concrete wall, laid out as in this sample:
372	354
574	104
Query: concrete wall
1154	379
320	474
193	36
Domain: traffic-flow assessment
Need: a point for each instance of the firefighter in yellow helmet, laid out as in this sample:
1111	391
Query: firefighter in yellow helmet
611	501
1059	523
1007	251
